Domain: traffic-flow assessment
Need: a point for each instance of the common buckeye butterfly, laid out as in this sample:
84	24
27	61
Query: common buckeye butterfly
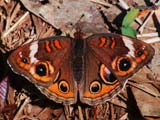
90	70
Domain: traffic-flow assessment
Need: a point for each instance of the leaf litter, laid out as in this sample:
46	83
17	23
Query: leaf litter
26	21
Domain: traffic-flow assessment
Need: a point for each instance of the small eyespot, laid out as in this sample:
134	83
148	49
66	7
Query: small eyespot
106	75
95	87
41	69
24	60
140	52
63	86
124	64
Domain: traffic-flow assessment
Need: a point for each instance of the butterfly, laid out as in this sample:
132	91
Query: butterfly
91	70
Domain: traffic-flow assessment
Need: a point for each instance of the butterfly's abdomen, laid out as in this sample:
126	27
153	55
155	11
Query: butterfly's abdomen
77	68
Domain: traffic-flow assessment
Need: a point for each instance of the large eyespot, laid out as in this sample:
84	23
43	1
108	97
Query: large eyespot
124	64
63	86
41	69
95	87
106	75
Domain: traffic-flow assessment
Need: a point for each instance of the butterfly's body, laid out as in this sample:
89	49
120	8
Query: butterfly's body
90	70
78	57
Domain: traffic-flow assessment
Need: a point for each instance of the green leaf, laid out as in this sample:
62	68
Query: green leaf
129	31
130	17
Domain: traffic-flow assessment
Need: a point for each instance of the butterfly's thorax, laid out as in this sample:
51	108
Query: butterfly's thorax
78	57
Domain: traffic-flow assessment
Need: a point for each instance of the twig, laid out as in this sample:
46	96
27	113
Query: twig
150	28
155	34
157	3
153	40
102	3
26	117
15	25
15	11
27	100
112	112
7	1
123	4
145	22
68	111
124	117
80	113
139	21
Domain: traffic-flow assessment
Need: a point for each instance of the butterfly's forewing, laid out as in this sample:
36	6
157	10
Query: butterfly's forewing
47	64
110	60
